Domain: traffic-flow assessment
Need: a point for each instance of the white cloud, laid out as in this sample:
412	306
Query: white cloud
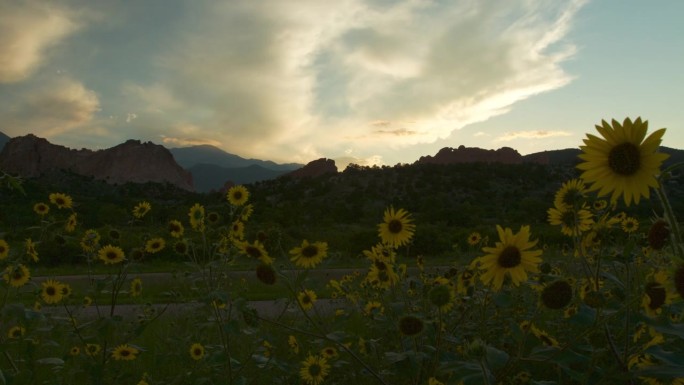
539	134
27	30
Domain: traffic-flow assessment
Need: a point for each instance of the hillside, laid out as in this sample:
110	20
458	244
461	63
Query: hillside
188	157
211	177
3	139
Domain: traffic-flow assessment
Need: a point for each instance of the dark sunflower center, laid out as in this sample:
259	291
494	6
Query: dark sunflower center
111	255
571	195
624	159
315	370
237	196
395	226
253	252
17	275
657	294
125	353
568	218
510	257
51	290
198	352
310	251
382	266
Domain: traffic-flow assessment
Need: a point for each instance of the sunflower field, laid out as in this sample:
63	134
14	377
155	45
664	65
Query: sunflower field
598	301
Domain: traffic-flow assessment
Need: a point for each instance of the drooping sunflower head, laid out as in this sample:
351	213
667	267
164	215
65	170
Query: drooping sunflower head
624	162
557	294
396	228
16	332
176	228
410	325
237	195
512	256
90	240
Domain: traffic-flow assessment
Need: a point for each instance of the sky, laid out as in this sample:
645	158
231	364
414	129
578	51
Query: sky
358	81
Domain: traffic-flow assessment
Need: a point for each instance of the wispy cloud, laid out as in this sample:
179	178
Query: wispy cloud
539	134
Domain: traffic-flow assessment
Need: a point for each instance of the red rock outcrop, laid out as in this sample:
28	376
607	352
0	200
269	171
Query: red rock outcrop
132	161
315	168
462	154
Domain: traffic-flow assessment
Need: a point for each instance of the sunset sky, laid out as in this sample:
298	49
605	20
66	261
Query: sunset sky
362	81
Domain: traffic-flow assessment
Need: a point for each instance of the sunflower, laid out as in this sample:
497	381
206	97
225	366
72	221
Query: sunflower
51	291
62	201
16	332
125	352
247	211
196	215
92	349
176	228
141	209
41	209
70	224
382	275
308	255
571	194
314	370
74	351
111	254
4	249
213	218
442	294
237	195
656	294
600	204
630	225
306	299
237	230
66	290
573	221
510	256
396	229
136	287
474	238
329	352
624	162
255	250
31	250
373	307
658	234
155	245
90	240
197	351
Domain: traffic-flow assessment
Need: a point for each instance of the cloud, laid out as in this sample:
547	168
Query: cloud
539	134
27	30
58	106
185	142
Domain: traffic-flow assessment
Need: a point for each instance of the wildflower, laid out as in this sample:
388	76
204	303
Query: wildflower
600	204
474	238
111	254
4	249
197	351
70	224
630	225
658	234
382	275
246	212
510	256
62	201
196	215
256	250
237	230
92	349
557	294
74	351
141	209
51	291
125	352
90	240
624	162
66	290
308	255
41	209
314	370
573	221
16	332
655	294
410	325
571	194
294	345
306	299
155	245
31	250
17	276
136	287
396	229
237	195
373	307
381	253
266	274
176	228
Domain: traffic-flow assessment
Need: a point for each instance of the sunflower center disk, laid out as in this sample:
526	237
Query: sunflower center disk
657	295
309	251
624	159
395	226
509	257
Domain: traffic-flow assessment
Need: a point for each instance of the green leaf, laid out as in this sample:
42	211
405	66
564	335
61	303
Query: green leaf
496	358
394	357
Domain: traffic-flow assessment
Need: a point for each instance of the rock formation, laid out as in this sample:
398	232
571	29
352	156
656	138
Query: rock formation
315	168
132	161
462	154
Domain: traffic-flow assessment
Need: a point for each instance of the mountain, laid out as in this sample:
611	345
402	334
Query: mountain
187	157
31	156
315	168
208	177
3	139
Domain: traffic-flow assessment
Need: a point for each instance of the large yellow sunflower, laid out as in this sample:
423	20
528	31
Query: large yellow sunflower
396	228
62	201
141	209
314	370
624	162
52	291
237	195
125	352
255	250
512	256
111	254
308	255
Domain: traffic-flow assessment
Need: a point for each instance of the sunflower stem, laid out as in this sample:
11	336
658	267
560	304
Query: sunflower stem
672	220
